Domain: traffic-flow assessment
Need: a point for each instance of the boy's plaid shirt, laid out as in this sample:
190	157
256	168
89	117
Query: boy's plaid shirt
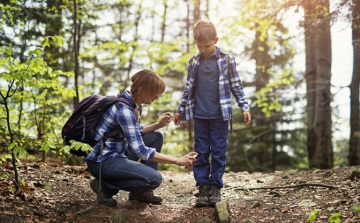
229	82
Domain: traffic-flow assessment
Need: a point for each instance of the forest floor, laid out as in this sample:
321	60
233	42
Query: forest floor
55	192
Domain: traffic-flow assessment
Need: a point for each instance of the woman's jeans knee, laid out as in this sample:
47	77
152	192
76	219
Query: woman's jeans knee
124	174
153	140
128	174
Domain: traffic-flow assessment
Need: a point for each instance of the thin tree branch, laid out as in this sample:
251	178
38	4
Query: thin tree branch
289	186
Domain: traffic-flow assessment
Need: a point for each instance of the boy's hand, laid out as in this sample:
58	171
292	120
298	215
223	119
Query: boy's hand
177	119
247	118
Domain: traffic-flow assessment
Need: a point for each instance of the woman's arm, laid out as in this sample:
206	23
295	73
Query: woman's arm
164	120
186	160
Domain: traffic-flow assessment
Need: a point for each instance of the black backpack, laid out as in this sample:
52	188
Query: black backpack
85	118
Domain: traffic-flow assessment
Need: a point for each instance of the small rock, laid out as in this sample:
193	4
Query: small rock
330	209
299	181
205	219
222	211
121	215
142	214
274	194
256	205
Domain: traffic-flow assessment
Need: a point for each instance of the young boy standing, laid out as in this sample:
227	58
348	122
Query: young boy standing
207	100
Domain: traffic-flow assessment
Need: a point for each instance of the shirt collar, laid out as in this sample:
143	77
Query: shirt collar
217	53
127	94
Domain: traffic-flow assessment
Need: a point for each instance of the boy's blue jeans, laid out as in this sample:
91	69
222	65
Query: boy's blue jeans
210	139
128	174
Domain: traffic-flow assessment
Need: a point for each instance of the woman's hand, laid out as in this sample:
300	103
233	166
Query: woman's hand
164	119
187	160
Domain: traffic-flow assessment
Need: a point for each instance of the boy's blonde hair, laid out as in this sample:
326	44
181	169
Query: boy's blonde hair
204	31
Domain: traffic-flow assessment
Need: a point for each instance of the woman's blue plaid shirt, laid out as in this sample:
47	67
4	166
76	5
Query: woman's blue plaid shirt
123	115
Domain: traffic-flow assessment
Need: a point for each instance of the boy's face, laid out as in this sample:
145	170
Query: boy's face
207	48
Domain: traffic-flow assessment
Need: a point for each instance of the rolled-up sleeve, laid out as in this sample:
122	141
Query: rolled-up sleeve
132	133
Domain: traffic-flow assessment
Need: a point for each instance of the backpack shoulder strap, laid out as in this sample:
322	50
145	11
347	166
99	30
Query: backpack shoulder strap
123	99
227	58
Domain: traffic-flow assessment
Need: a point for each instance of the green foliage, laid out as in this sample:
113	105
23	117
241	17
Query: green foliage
357	209
335	218
76	146
4	158
17	150
312	216
267	99
48	187
32	89
7	11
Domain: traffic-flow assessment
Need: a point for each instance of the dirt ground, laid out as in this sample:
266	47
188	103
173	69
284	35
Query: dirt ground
55	192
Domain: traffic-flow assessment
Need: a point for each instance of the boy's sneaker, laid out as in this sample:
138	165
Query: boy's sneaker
215	195
101	197
203	196
144	196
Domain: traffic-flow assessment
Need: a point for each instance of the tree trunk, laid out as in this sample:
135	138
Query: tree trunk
354	142
163	24
318	76
76	55
262	77
196	11
207	9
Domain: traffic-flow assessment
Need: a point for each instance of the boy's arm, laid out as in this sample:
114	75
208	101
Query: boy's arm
236	86
188	85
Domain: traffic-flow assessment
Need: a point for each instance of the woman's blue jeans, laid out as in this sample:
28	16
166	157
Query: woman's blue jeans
210	139
127	173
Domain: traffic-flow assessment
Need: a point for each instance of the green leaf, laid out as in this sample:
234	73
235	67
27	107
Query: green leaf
11	146
48	187
12	190
65	149
20	151
312	216
335	218
357	209
45	147
37	52
45	42
7	51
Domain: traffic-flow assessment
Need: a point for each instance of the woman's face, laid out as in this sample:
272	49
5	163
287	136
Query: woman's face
145	98
151	99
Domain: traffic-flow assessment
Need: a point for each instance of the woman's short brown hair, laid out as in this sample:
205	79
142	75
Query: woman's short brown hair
149	81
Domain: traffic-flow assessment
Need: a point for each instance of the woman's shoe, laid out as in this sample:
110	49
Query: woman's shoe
144	196
101	197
